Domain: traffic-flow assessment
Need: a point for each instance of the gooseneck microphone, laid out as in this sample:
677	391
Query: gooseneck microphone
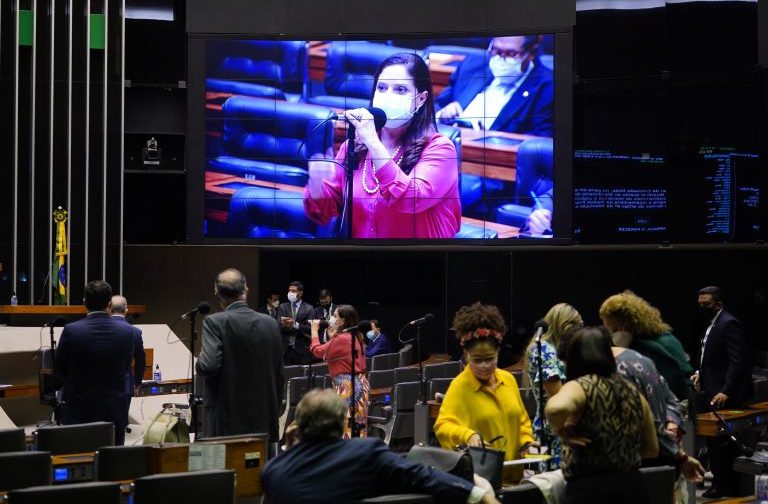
202	308
379	117
423	320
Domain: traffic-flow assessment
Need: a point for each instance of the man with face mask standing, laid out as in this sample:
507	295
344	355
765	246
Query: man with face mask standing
509	89
324	311
294	328
271	304
724	379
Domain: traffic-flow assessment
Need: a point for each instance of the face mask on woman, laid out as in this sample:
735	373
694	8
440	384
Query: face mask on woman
397	108
506	70
332	323
275	303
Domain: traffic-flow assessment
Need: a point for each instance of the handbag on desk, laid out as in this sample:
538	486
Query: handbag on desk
458	463
487	463
168	426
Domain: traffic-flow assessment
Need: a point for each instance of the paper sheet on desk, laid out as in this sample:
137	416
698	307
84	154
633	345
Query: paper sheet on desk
207	456
526	460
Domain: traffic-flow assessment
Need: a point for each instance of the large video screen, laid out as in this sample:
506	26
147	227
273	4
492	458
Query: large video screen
449	138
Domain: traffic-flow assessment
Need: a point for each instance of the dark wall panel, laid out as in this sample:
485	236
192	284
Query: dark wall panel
368	16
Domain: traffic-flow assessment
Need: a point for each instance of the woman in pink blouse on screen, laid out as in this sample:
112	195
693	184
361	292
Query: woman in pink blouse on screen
407	181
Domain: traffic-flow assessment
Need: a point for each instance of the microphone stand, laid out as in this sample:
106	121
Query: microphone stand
745	450
543	436
422	388
55	405
350	165
194	400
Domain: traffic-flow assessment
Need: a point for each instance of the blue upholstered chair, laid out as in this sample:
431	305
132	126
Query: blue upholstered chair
534	175
262	212
349	72
272	140
262	68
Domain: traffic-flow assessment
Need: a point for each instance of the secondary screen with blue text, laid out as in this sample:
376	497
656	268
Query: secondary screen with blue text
462	147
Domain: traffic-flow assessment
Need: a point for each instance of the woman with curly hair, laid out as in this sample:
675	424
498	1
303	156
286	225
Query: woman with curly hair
635	324
483	403
560	319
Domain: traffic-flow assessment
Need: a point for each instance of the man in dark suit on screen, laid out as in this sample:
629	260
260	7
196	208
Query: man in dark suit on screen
508	89
724	379
241	363
93	360
293	316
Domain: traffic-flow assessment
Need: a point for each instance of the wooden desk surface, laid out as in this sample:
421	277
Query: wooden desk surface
56	309
73	458
13	391
707	424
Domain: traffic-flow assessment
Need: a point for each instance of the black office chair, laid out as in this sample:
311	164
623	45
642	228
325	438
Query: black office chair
24	469
12	440
297	387
320	369
385	361
406	355
660	482
81	493
76	438
442	370
198	487
399	425
436	385
406	374
121	463
383	378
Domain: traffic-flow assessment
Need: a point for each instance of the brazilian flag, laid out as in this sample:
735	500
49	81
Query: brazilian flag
59	273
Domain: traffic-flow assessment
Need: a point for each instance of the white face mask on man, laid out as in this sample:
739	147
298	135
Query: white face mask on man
506	70
293	297
397	108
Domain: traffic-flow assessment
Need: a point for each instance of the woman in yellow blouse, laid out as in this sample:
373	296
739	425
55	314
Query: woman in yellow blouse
483	402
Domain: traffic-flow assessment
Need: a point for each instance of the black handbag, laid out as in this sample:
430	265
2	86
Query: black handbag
488	463
458	463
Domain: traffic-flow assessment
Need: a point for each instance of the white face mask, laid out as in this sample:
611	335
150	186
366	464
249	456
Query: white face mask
371	335
397	108
293	297
332	322
275	303
507	70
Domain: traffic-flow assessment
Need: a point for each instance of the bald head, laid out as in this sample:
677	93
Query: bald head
119	306
230	286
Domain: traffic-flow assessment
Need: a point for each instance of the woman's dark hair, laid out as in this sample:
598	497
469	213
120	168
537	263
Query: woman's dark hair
590	353
349	314
472	343
423	125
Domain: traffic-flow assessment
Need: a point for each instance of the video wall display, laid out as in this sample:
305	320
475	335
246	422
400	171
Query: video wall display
449	138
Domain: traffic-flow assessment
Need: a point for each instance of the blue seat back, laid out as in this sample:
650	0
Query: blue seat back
257	128
274	63
534	169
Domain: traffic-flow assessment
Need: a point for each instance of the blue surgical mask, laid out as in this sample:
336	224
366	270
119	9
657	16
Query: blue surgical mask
371	335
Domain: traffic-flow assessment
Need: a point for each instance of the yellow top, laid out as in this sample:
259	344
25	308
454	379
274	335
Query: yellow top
469	407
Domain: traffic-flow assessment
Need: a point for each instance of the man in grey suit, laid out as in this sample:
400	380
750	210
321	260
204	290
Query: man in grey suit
241	363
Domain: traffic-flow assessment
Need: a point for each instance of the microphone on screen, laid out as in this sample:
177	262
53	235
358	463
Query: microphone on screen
379	117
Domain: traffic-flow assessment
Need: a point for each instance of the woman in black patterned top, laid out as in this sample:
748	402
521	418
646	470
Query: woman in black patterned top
604	423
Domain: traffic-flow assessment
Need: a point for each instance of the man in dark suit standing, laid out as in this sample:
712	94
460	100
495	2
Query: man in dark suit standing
271	304
241	363
93	360
118	309
324	311
294	327
725	380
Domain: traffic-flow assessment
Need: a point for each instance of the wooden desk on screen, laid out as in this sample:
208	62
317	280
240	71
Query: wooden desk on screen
708	425
56	309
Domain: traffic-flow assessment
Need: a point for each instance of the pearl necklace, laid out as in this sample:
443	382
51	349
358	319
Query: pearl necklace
368	163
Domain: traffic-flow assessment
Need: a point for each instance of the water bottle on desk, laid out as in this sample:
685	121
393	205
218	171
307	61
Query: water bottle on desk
156	376
14	300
